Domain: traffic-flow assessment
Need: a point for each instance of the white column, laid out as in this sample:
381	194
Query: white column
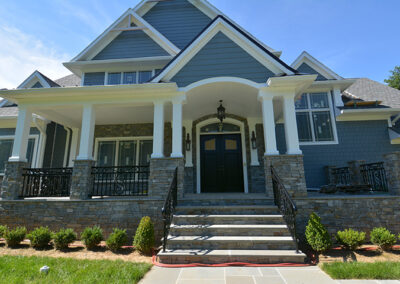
291	134
189	156
87	134
21	135
74	146
253	152
269	123
177	129
158	130
42	126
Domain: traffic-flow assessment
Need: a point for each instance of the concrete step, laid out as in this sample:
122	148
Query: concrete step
227	210
230	242
229	230
224	199
228	256
227	219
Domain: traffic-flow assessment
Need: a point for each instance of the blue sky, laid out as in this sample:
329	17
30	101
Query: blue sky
357	38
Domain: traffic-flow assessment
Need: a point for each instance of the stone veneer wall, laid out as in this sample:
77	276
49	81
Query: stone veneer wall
356	212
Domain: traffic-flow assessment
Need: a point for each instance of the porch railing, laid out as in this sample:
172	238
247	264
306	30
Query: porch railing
46	182
374	175
169	207
342	176
286	205
120	181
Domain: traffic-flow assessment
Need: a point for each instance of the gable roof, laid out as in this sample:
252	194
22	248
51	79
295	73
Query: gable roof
368	90
69	81
316	65
221	24
38	77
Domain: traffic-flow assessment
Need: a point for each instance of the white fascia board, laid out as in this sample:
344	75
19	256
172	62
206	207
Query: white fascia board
366	114
221	26
32	77
315	64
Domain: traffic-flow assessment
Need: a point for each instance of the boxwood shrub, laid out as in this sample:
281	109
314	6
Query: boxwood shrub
15	237
117	239
40	237
91	237
350	239
316	234
383	238
144	237
63	238
3	231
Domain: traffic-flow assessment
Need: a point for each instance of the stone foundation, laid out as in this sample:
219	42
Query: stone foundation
81	181
13	181
257	179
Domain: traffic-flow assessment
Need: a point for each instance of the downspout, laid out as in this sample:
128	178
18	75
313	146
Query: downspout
42	141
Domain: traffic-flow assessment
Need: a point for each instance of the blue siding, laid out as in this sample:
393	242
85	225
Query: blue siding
131	44
358	140
178	20
94	79
37	85
11	131
222	57
305	68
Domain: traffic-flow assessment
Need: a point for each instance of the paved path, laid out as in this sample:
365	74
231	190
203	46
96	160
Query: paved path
247	275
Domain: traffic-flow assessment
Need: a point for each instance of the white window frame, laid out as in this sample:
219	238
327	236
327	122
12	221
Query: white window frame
153	71
310	110
35	147
119	139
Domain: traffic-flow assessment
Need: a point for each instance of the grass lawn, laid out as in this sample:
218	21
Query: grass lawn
360	270
21	269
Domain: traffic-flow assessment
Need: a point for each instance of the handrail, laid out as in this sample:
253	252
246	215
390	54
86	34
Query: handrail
169	207
286	205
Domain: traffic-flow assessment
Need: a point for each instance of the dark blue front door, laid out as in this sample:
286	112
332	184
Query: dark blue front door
221	163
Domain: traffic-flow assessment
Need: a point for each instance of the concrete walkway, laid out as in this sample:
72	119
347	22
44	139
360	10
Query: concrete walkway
247	275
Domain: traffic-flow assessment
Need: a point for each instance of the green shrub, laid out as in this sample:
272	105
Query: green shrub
383	238
63	238
316	234
92	237
117	239
40	237
144	237
350	239
3	231
16	236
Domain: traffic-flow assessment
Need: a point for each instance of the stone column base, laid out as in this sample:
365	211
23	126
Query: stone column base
81	182
392	168
290	169
161	175
13	181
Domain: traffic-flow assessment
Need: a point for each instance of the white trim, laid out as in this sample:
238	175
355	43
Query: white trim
74	146
42	140
67	146
221	80
87	133
220	25
252	122
243	141
29	82
367	114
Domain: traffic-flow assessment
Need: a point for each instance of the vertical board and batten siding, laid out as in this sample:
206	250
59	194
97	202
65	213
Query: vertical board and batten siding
178	20
94	79
131	44
307	69
358	140
222	57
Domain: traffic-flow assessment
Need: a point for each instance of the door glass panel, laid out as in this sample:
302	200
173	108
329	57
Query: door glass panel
319	100
230	144
127	153
146	148
106	154
210	145
322	126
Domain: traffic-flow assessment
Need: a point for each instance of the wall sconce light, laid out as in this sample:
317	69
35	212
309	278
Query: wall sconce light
253	141
188	142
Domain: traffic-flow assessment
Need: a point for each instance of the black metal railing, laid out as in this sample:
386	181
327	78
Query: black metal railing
286	205
342	176
169	207
120	181
46	182
374	175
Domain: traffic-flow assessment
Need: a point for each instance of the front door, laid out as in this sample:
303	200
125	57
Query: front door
221	163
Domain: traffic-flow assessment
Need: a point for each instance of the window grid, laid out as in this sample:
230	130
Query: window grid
137	74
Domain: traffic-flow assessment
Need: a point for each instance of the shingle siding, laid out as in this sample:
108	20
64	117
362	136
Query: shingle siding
131	44
221	57
307	69
94	79
178	20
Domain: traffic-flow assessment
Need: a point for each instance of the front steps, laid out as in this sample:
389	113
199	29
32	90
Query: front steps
235	229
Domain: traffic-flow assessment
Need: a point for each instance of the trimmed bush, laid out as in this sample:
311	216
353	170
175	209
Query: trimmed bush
63	238
40	237
15	237
92	237
144	237
3	231
316	234
117	239
383	238
350	239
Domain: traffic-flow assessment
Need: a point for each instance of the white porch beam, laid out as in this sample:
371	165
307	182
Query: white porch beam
253	152
266	99
87	135
177	104
21	135
158	130
189	154
291	134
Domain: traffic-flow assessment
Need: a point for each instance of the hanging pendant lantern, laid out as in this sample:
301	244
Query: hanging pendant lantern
221	112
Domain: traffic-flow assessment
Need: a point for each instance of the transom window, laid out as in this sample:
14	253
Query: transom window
123	152
6	146
129	78
218	127
314	118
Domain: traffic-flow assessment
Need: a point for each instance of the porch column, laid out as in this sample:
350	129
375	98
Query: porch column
21	136
158	130
87	134
291	134
268	122
177	127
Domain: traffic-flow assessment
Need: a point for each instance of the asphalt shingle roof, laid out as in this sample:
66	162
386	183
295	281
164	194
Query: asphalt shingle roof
9	111
69	81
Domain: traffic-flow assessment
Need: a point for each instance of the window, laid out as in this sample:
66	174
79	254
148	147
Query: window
129	78
218	127
144	76
117	78
6	150
123	152
114	78
314	118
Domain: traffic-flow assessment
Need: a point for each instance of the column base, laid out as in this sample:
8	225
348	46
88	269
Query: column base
81	181
13	180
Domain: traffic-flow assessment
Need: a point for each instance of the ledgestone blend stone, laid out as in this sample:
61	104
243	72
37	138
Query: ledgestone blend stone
13	180
81	180
392	168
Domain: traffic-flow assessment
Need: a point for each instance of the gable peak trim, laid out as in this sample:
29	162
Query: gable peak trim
44	81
